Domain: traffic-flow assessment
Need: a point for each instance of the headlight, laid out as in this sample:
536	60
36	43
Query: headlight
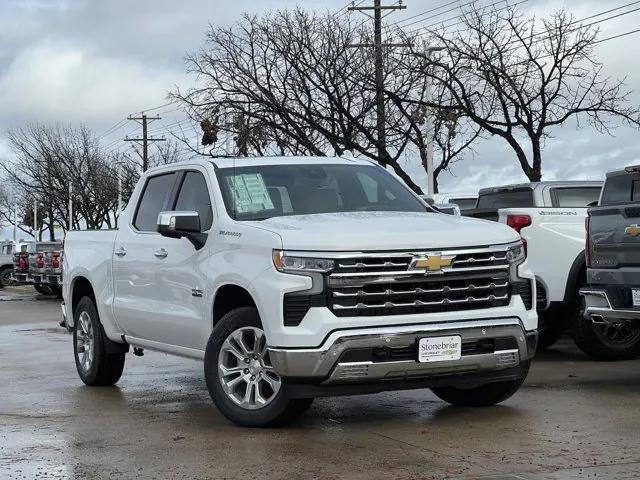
292	264
516	254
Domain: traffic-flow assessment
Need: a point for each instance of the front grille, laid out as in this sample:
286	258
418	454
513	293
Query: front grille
389	284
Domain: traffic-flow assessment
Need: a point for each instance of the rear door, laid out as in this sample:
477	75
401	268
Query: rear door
615	223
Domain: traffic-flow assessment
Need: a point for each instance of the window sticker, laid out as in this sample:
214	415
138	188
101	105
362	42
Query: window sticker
250	193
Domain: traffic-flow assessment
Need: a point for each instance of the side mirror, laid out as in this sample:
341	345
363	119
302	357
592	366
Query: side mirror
182	224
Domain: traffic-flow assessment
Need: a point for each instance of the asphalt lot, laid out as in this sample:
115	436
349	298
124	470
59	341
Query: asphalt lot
573	419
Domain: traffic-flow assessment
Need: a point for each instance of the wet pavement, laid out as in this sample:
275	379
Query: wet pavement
572	419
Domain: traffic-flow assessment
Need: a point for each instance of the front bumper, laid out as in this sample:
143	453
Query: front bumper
328	365
599	309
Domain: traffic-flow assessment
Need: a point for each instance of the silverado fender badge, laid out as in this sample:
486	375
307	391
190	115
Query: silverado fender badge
633	230
196	292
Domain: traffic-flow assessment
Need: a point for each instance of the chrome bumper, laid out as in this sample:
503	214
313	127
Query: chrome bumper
324	363
598	308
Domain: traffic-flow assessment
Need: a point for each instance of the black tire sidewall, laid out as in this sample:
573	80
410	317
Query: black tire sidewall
91	376
3	273
271	415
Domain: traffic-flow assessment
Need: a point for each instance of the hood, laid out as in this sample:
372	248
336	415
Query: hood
370	231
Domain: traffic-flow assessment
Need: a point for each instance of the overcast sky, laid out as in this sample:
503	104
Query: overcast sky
97	61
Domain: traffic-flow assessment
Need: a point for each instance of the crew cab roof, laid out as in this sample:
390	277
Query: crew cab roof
253	161
534	185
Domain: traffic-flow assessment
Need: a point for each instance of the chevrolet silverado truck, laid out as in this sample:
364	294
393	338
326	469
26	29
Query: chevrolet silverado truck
293	278
612	299
550	218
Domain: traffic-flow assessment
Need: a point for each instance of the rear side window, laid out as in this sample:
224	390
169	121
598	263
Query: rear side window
507	199
194	197
621	189
575	197
153	200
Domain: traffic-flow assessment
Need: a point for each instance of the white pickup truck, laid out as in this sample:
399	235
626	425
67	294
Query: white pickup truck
550	217
293	278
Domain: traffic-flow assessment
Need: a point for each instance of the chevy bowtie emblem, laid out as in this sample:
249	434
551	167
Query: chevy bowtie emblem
633	230
431	263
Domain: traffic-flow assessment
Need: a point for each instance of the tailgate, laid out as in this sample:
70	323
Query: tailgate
615	236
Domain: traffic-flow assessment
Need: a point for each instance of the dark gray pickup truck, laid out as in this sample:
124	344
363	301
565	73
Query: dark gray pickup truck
612	299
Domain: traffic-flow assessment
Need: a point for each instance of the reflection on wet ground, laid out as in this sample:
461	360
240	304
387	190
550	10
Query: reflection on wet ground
573	419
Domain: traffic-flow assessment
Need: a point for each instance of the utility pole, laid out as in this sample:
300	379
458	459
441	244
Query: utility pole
144	121
377	45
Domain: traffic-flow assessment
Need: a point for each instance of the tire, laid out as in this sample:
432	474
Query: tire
57	291
99	368
483	396
278	408
603	343
42	289
5	277
551	326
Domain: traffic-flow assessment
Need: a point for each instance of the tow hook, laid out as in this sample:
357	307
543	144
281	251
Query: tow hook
138	352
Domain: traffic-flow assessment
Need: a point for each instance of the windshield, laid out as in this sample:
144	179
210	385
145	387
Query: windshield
261	192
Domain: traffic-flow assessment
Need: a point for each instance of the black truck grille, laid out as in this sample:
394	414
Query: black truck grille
392	284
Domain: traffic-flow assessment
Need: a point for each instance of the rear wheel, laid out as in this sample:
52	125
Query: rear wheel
95	366
240	377
483	396
42	289
551	325
614	340
5	277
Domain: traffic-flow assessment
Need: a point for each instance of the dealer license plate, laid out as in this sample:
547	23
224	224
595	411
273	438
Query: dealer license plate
635	297
439	349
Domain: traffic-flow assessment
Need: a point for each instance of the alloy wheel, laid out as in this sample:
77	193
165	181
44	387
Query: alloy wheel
245	370
85	341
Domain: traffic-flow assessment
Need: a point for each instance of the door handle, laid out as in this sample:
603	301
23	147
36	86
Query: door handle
161	253
121	252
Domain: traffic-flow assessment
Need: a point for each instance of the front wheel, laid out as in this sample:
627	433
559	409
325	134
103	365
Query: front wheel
95	366
483	396
240	377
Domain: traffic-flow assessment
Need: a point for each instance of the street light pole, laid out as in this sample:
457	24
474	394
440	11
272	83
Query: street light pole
429	126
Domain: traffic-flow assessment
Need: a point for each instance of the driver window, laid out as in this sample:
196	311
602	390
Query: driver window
194	196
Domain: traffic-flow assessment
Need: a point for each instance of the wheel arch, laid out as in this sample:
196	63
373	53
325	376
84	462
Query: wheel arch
577	276
80	287
228	297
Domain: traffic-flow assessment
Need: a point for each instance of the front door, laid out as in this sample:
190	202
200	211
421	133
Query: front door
157	280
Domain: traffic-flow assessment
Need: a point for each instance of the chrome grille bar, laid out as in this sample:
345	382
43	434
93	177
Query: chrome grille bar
420	303
419	291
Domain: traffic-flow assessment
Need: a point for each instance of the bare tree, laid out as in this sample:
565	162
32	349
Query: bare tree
46	162
518	78
289	83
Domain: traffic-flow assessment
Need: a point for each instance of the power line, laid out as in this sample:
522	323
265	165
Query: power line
425	12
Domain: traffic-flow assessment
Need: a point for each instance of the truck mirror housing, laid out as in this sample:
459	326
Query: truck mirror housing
181	224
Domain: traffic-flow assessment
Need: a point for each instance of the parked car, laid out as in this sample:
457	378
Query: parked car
610	327
6	263
39	264
293	278
550	218
465	201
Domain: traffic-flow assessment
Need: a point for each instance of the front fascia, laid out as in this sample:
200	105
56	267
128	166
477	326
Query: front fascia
270	286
